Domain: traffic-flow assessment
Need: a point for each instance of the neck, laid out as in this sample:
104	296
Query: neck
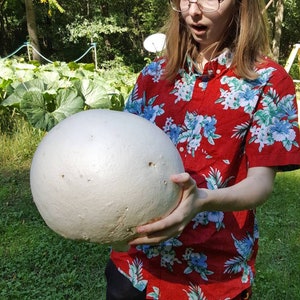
208	53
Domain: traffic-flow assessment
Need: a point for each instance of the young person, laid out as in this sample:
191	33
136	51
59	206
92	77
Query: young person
232	114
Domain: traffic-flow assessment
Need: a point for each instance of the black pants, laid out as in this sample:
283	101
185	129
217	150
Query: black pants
119	287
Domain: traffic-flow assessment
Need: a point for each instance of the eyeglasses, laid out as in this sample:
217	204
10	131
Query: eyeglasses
204	5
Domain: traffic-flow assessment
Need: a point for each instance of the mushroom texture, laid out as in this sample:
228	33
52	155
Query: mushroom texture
99	174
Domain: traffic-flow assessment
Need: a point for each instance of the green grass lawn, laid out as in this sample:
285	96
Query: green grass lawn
35	263
278	265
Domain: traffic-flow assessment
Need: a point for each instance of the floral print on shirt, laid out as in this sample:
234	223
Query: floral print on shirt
220	123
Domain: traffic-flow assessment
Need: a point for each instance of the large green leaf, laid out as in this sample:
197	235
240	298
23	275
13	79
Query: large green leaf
22	89
68	103
39	111
5	72
34	107
97	94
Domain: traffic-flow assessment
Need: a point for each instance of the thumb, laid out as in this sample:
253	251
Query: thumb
183	179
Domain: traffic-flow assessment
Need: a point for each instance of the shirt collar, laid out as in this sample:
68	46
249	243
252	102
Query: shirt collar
223	60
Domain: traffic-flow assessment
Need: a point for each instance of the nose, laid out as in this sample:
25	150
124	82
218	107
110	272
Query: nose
194	8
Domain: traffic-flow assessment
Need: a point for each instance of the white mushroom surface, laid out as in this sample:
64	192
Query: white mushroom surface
99	173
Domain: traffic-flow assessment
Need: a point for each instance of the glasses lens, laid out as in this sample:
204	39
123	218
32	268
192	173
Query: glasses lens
204	5
209	5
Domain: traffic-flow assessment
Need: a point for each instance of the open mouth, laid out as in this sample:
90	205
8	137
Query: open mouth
199	27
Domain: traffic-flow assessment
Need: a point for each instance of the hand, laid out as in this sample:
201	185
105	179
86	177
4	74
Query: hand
233	198
173	224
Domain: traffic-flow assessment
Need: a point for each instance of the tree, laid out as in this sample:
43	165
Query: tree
290	27
284	16
32	28
277	29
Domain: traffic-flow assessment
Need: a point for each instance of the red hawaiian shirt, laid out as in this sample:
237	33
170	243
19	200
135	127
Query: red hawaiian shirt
221	125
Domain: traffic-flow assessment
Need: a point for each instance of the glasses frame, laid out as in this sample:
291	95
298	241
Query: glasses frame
173	6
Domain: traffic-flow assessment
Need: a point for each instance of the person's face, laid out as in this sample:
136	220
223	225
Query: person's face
207	28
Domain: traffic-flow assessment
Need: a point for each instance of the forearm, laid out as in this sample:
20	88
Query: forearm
247	194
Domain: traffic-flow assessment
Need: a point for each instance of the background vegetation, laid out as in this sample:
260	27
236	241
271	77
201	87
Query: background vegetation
63	29
118	27
46	94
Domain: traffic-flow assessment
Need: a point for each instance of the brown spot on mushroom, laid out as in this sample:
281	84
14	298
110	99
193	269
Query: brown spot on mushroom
151	164
130	230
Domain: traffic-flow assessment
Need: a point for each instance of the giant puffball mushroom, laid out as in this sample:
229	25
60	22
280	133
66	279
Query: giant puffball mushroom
99	174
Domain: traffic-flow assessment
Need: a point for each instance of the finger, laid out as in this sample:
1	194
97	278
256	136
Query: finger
154	227
149	240
184	180
181	178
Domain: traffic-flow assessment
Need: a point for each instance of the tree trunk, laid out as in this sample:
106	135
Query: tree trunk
32	29
277	28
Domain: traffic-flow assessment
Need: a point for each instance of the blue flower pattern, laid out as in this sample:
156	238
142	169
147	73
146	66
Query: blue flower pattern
196	263
166	250
194	129
154	69
275	122
206	217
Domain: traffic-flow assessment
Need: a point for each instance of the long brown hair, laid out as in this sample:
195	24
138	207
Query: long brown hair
246	35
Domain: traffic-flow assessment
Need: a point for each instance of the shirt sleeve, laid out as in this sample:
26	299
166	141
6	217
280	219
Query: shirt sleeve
273	138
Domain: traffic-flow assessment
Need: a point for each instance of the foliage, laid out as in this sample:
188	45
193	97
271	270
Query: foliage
19	144
290	30
58	31
53	4
298	98
92	30
47	94
290	27
118	27
295	70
